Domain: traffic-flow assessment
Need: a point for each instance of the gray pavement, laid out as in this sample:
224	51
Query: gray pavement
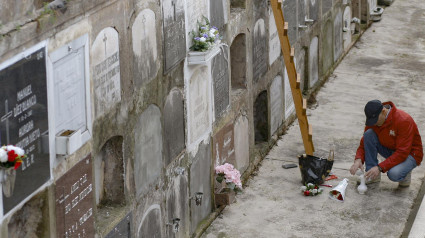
387	63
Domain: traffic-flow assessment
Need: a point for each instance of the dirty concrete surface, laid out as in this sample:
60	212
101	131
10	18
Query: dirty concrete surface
387	63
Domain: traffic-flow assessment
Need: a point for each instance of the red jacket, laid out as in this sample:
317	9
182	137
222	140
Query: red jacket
400	134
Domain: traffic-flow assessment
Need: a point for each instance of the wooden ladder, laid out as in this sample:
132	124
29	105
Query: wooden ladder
294	78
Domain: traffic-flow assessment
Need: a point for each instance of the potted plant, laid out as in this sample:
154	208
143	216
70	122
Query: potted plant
230	178
205	43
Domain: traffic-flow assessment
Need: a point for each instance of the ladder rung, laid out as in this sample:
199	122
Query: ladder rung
310	132
292	54
304	106
298	81
285	28
279	1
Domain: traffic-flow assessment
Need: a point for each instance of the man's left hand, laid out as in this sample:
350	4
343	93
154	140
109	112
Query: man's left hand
372	173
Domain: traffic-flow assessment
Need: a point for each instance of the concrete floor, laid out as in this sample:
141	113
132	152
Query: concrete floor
387	63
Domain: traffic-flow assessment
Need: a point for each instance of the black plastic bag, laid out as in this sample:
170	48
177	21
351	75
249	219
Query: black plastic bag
315	169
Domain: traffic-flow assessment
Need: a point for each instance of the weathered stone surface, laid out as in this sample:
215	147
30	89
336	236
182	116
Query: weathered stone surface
147	149
174	32
259	53
241	143
123	229
144	47
338	35
326	6
261	119
218	14
200	167
238	62
276	104
313	61
346	33
105	61
196	10
24	123
327	46
274	43
260	8
300	56
289	101
290	15
314	7
174	139
177	204
221	81
223	146
150	225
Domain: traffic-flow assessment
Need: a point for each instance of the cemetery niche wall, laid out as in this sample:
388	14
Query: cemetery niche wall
24	123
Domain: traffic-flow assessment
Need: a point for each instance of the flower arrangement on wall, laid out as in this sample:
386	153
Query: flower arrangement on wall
11	156
206	37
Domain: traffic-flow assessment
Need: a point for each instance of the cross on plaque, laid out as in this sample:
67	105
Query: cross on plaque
104	40
6	118
173	2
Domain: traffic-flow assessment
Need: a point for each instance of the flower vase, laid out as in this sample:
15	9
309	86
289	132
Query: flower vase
203	57
225	196
7	179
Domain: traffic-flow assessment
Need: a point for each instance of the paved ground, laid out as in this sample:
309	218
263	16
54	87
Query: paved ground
388	63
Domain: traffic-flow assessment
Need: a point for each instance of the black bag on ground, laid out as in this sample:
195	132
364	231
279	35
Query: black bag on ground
315	169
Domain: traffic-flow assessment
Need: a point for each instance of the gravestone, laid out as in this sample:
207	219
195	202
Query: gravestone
260	8
195	11
200	181
276	104
123	229
314	9
289	100
261	119
223	146
346	35
148	149
326	6
105	60
198	105
241	143
238	62
338	35
274	43
221	81
174	33
290	15
174	141
259	55
177	206
144	47
218	14
74	201
301	13
300	56
327	44
313	61
24	122
150	225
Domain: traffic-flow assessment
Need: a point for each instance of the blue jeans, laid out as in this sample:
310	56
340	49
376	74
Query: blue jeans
372	147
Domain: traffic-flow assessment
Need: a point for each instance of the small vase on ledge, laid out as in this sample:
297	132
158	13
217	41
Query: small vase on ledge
225	196
202	57
7	179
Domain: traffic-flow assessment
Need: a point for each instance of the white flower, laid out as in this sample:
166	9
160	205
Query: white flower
320	190
314	191
202	39
3	155
212	34
19	151
303	188
310	185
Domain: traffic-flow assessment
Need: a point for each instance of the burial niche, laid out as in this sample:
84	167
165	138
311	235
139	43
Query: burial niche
237	3
109	170
261	118
238	62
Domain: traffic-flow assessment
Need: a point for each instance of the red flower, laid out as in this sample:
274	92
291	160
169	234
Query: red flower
306	193
340	197
17	164
12	155
334	192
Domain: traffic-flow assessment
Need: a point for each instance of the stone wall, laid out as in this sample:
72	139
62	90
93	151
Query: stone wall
124	129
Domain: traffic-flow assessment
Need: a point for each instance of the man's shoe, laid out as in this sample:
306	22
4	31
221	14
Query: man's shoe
376	180
406	181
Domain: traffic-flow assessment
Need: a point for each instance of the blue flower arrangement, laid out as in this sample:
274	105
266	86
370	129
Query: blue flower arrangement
206	37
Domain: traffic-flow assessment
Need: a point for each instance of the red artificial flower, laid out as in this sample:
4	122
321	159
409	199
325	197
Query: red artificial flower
12	155
17	164
340	197
334	192
306	193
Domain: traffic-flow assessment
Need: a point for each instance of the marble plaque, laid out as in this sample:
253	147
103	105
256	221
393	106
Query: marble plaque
290	15
198	105
223	146
123	229
313	9
276	104
24	122
74	201
338	35
148	149
199	182
221	81
327	45
289	100
346	26
313	62
259	57
300	56
174	33
105	60
177	206
195	11
274	42
144	47
218	14
241	143
151	223
173	125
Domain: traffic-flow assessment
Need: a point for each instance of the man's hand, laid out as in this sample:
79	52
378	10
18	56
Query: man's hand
372	173
357	165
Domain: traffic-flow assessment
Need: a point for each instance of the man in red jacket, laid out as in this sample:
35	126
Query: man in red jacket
393	134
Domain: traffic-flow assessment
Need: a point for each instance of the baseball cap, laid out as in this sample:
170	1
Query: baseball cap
372	110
